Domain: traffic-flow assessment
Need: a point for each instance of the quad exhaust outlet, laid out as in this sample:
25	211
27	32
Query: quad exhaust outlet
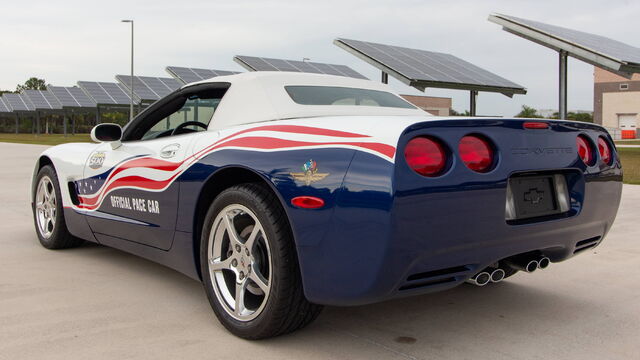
497	274
486	276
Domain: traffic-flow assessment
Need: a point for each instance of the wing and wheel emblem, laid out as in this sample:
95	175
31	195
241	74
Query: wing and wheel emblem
309	173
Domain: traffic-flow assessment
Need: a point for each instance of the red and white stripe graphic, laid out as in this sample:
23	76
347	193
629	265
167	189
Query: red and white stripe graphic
152	174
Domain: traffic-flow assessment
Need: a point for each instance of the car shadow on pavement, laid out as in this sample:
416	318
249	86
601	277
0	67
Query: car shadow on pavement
505	312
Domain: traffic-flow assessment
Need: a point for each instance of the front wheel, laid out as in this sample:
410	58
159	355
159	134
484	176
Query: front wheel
48	215
249	265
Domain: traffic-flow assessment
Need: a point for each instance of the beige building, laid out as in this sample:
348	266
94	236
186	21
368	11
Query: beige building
616	102
439	106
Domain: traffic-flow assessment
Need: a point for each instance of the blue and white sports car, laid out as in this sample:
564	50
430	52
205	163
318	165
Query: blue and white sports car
282	192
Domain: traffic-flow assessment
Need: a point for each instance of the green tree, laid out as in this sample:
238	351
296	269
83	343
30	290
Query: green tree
585	117
528	112
453	112
32	84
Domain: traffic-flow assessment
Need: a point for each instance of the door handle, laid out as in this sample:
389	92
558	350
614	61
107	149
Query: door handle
169	151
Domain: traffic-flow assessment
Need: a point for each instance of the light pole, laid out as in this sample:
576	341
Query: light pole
131	85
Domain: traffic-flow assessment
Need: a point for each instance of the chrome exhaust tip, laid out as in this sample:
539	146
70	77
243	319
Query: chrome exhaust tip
528	266
497	275
532	266
544	263
480	279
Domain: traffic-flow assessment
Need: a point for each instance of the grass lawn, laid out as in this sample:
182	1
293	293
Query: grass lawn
627	142
50	139
630	158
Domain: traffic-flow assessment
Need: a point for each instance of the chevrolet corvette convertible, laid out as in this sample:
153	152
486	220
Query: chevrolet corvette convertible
283	192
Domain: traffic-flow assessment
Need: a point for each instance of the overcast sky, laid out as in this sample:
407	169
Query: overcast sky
67	41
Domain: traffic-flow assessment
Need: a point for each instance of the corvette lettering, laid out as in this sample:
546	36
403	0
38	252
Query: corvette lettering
135	204
541	151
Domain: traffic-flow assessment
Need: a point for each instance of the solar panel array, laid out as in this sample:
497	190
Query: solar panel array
71	97
3	107
189	75
597	43
266	64
106	93
17	102
427	68
42	100
149	88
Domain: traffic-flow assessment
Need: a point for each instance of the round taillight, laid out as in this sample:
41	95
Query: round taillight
426	156
476	153
585	150
605	150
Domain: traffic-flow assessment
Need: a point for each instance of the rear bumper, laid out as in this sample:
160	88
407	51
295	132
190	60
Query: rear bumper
372	254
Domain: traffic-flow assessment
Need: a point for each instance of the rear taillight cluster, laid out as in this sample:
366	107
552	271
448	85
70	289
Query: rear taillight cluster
426	156
429	157
587	152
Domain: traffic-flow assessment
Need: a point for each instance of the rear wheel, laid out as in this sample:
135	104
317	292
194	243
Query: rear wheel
48	213
249	266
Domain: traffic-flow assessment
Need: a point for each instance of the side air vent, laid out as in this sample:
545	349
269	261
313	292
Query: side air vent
586	244
73	193
437	277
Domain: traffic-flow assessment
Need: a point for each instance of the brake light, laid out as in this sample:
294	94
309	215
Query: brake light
426	156
476	153
585	150
535	125
605	150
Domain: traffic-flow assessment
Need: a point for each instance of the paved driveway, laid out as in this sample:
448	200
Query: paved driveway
95	302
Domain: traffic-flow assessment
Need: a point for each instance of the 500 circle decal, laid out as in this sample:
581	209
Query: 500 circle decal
96	160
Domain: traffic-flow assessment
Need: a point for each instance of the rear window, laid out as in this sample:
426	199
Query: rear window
331	95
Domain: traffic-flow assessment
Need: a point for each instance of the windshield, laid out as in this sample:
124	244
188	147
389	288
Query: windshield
331	95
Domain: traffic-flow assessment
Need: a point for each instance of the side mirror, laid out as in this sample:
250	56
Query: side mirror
107	132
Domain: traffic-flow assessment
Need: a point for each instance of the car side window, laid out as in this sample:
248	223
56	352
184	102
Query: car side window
180	113
195	109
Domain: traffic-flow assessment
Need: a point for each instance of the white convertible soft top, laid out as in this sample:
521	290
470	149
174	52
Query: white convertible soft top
261	96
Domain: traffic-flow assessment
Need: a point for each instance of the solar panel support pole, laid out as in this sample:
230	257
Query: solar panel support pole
17	123
562	97
473	98
64	124
97	115
385	78
37	123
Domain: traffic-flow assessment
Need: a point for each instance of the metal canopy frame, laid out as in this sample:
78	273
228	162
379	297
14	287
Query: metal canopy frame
188	75
28	107
44	103
423	84
119	101
565	47
253	63
149	88
72	99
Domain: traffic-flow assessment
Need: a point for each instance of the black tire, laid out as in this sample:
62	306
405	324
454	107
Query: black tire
59	236
285	308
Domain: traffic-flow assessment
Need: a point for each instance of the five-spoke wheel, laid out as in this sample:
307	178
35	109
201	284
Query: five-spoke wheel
239	262
249	265
45	207
48	216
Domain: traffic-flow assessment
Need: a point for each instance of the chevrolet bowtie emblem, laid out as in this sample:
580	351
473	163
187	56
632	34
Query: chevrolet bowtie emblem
534	196
310	173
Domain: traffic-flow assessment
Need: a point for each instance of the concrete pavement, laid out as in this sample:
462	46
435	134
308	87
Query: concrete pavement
99	303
